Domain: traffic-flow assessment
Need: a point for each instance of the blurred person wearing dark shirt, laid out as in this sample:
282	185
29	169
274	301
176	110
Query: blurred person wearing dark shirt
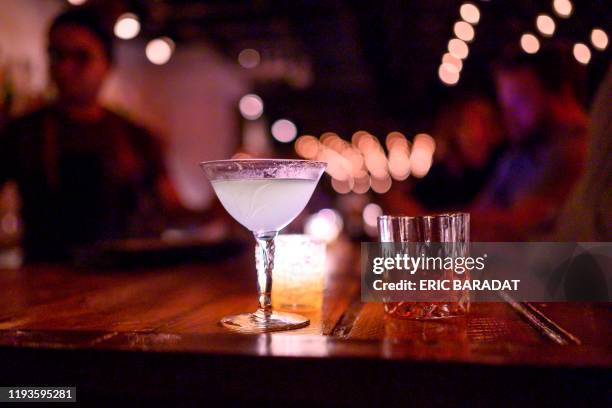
547	129
469	141
587	215
84	174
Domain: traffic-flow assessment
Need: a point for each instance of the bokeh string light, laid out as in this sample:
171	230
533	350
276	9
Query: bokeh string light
160	50
241	156
307	146
421	156
470	13
464	31
370	215
249	58
458	48
362	165
284	130
251	106
563	8
447	58
546	25
530	43
127	26
324	225
451	65
582	53
599	39
341	186
381	185
362	184
448	73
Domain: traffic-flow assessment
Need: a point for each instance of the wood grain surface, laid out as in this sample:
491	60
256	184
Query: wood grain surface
152	327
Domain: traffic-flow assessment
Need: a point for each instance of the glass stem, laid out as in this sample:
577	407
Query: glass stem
265	244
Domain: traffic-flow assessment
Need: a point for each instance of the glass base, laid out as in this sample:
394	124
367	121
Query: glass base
260	322
427	310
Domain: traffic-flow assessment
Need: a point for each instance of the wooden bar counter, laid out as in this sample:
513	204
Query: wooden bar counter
152	336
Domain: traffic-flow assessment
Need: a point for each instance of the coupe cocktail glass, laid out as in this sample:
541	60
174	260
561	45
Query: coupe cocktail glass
264	195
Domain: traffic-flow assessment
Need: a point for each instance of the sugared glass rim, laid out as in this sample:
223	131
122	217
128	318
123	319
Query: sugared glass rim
210	162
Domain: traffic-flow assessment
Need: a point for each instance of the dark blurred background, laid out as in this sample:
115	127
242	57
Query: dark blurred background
323	66
373	64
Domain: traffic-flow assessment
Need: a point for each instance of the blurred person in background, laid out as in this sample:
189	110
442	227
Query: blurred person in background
84	173
587	215
469	141
547	129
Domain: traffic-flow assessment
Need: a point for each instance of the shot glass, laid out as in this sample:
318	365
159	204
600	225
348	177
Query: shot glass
440	235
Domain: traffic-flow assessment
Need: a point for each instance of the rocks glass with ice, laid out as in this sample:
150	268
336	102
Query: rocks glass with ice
264	195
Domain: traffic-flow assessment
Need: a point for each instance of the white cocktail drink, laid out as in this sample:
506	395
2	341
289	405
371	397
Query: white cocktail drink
264	195
263	205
